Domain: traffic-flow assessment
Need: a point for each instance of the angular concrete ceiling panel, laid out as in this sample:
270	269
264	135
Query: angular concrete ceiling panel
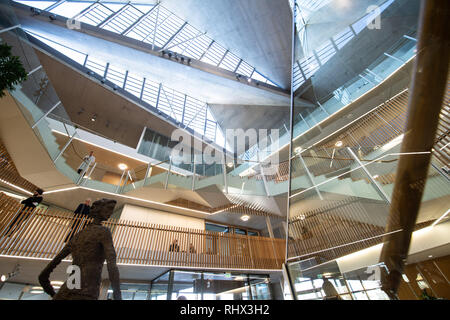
258	31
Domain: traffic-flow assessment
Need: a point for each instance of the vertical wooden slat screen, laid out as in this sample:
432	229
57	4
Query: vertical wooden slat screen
40	233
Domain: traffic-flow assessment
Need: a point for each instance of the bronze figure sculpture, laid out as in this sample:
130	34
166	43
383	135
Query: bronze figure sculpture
89	249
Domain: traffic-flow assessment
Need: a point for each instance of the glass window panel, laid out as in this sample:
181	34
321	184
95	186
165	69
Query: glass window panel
70	9
360	295
37	4
355	285
377	294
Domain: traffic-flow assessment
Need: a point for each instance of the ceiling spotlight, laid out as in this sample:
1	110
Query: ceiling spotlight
115	87
339	144
302	217
430	256
245	218
170	54
94	117
122	166
298	150
230	164
10	275
103	80
189	61
249	80
52	17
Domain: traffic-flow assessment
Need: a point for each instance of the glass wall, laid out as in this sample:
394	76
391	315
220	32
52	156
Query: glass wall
345	149
199	285
326	282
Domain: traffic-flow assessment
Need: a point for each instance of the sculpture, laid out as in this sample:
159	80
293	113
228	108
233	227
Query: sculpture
89	249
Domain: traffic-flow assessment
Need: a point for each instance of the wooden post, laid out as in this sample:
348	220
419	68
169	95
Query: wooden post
425	102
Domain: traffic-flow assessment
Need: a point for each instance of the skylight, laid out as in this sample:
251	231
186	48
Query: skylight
152	24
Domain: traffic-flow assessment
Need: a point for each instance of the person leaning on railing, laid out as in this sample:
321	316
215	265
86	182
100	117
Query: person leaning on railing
29	205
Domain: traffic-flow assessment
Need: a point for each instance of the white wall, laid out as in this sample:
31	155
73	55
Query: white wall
135	213
424	239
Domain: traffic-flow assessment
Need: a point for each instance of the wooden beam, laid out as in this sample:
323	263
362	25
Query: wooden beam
425	102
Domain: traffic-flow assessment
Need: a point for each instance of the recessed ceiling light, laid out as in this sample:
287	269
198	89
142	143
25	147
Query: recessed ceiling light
3	278
430	256
245	218
249	80
122	166
339	144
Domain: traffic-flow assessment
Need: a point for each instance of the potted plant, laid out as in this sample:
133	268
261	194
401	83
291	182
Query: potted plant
12	71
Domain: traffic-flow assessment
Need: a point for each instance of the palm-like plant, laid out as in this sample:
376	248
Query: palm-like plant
12	71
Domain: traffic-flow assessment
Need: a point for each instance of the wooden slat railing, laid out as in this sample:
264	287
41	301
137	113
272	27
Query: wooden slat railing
42	232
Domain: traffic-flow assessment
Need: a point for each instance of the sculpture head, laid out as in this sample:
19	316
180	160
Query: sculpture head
103	209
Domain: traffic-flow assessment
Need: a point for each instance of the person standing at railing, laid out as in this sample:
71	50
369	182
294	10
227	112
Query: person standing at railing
83	211
29	205
87	161
174	246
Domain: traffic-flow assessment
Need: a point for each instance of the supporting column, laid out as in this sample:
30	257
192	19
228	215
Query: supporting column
425	102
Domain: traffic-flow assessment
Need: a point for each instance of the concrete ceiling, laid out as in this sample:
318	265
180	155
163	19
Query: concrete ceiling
199	84
399	19
330	19
248	117
258	31
117	118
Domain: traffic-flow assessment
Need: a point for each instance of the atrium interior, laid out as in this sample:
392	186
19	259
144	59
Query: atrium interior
254	149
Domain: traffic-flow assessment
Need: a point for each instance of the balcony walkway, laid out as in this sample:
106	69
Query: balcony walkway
41	234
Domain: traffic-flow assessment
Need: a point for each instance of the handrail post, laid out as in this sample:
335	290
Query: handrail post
90	172
224	171
45	115
168	173
82	173
193	175
120	182
310	177
65	147
378	188
127	175
148	172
